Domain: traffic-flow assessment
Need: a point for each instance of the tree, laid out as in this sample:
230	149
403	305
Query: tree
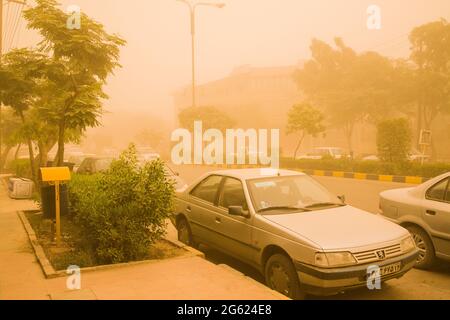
211	117
394	140
305	120
82	59
21	72
349	86
431	54
11	133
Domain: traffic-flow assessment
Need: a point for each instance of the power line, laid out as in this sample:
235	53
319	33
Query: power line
16	24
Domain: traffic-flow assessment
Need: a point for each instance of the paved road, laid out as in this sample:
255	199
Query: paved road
363	194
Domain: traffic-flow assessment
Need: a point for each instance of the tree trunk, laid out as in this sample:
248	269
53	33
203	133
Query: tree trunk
298	145
349	136
30	152
59	161
16	155
4	156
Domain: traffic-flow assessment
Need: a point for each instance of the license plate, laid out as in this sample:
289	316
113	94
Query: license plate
390	269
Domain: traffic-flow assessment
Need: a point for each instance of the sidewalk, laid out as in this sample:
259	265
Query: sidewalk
184	278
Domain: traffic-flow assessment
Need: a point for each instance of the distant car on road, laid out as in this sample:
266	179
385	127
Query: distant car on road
77	159
425	211
92	165
324	152
301	237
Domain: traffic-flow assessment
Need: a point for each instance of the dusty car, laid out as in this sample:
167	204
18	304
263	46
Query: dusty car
324	152
425	211
92	165
301	237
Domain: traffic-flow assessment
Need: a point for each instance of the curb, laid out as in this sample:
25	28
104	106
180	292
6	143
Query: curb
363	176
340	174
51	273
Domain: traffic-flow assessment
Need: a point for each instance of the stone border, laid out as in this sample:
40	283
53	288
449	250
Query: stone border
50	272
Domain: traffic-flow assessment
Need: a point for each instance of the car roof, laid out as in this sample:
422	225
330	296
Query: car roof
255	173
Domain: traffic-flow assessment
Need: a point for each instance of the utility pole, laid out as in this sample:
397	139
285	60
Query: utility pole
1	54
192	8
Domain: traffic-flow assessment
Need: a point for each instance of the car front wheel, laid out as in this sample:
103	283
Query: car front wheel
423	242
184	232
281	276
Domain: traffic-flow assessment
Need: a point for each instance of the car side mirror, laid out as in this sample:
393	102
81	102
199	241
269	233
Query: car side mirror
237	211
342	198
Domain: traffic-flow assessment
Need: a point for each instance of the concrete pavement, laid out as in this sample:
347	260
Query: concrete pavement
180	278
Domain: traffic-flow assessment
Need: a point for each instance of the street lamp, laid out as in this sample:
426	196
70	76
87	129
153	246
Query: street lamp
192	8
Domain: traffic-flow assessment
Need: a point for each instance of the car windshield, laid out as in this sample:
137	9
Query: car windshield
289	194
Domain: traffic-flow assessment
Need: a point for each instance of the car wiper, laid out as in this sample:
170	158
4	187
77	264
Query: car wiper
283	208
324	204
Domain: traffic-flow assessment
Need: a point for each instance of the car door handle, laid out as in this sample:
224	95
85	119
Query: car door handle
188	209
218	220
431	212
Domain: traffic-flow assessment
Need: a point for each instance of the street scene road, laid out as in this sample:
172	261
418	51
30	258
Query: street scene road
363	194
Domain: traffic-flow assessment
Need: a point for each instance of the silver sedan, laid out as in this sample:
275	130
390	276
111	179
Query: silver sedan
425	211
301	237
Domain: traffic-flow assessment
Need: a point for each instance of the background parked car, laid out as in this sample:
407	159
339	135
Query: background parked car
92	165
425	211
324	152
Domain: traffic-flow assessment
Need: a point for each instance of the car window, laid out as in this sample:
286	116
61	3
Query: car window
207	189
437	192
233	194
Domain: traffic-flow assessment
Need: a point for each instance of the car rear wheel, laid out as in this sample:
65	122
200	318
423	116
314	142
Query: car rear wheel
184	232
423	242
281	276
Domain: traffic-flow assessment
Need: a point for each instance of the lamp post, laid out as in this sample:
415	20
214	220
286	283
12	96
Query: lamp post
192	8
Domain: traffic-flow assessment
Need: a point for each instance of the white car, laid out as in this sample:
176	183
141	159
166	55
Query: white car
425	211
302	238
319	153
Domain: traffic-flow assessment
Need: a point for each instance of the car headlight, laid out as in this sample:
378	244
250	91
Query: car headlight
334	259
407	244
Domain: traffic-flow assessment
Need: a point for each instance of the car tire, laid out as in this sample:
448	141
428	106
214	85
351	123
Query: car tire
184	232
423	242
281	276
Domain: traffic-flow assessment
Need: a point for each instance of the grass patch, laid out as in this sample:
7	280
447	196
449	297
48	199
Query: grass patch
66	255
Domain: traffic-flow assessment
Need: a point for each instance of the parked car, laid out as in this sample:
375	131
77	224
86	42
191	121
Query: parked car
77	159
323	152
302	238
425	211
92	165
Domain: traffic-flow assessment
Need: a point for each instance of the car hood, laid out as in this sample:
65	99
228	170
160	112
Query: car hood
340	228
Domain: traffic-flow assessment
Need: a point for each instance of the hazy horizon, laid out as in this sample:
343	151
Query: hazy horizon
157	58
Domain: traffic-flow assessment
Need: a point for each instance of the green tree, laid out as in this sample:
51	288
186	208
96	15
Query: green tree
82	59
11	135
431	54
305	120
211	117
394	140
351	87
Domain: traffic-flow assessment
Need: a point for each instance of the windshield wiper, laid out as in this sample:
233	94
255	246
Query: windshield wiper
324	204
283	208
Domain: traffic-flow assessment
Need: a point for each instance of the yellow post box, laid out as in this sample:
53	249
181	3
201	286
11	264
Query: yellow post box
56	175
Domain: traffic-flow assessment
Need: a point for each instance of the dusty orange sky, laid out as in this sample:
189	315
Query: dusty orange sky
156	60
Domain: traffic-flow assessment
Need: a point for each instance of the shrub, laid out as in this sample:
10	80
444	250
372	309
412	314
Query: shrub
121	212
21	168
394	140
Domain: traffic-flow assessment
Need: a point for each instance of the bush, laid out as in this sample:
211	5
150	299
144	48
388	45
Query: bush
394	140
21	168
121	212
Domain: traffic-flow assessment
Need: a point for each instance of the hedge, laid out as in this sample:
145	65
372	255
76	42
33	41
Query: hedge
427	170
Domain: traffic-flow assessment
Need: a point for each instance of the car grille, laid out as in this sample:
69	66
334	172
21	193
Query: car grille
371	255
